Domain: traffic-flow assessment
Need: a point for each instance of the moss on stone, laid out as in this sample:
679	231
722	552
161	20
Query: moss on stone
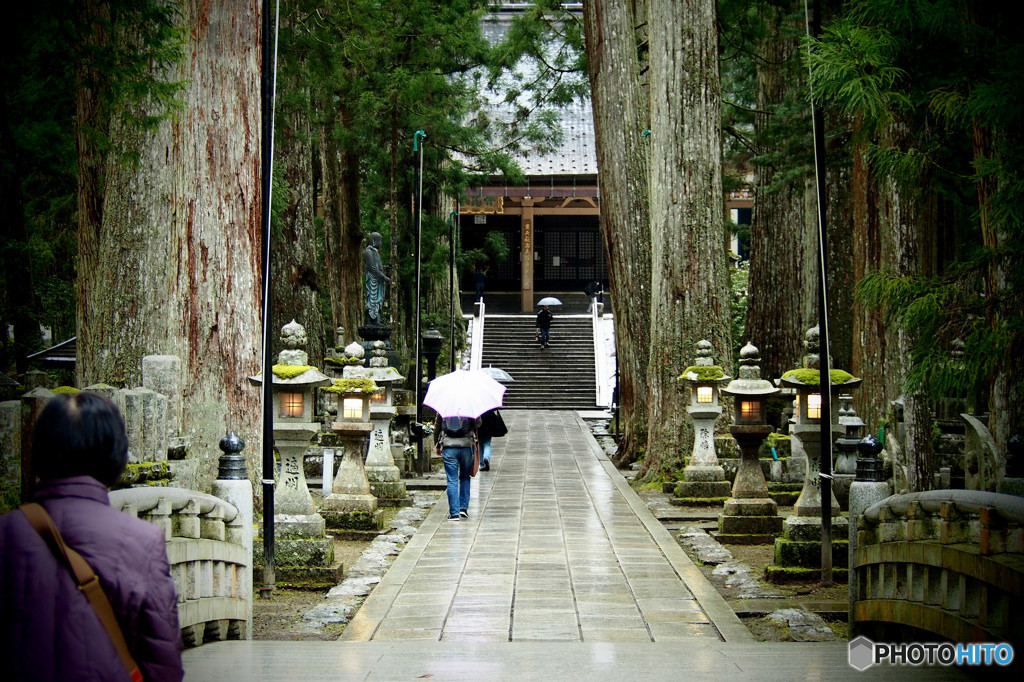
703	372
66	389
343	361
290	371
343	386
812	377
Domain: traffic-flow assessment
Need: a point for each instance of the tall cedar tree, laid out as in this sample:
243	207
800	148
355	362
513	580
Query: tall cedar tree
689	272
170	244
617	51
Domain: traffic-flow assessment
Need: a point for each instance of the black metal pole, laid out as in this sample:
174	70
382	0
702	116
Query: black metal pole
452	219
267	86
417	144
825	476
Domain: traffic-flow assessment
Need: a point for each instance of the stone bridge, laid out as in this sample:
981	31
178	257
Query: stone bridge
210	562
947	563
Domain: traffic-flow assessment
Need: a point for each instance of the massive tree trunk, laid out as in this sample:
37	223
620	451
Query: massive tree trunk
874	358
783	250
616	57
902	206
170	256
689	274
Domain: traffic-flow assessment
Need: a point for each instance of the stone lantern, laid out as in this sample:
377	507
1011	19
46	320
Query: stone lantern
350	504
303	552
750	516
846	450
808	421
703	476
294	426
384	477
802	533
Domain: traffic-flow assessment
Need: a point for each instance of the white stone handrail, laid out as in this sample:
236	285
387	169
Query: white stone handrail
476	353
210	561
599	378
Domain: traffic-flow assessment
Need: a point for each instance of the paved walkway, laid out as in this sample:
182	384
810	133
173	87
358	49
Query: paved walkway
561	572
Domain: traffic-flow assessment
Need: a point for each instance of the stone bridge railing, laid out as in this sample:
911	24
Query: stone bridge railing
209	561
948	562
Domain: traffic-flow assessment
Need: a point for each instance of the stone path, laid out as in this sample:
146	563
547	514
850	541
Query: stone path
561	572
557	547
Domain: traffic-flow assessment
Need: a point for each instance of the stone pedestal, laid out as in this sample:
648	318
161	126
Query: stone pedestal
351	506
863	494
385	478
750	516
704	479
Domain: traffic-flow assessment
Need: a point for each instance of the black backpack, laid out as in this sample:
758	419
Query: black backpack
456	427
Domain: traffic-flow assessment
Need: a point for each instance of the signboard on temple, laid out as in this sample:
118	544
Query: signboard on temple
472	205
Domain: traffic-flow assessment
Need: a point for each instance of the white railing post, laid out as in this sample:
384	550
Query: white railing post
595	320
476	353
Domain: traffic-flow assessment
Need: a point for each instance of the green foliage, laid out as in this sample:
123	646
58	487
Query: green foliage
947	71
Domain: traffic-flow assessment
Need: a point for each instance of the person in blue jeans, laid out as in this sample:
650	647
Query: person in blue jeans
491	426
455	440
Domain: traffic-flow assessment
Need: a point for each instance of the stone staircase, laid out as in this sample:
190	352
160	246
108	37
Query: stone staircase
560	376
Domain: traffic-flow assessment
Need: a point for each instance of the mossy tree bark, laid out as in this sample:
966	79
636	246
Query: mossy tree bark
903	214
616	43
689	274
171	246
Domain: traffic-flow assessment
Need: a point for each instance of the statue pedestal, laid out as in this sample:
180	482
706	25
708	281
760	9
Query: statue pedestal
351	506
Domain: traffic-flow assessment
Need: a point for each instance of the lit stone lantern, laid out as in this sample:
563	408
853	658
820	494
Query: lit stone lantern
808	421
384	477
350	505
750	516
302	549
799	548
703	476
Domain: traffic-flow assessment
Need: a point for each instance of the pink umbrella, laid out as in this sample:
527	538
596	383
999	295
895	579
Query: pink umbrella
464	394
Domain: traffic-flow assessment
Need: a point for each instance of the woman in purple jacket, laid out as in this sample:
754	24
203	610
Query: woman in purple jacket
48	629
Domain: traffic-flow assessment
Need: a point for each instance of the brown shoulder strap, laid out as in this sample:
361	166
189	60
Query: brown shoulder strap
87	581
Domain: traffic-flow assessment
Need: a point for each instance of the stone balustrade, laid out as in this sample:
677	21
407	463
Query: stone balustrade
210	563
947	562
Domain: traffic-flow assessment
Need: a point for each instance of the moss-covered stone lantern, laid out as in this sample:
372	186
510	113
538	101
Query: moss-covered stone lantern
704	478
750	516
799	549
351	506
384	476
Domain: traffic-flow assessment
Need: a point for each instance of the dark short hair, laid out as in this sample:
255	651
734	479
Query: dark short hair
80	434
